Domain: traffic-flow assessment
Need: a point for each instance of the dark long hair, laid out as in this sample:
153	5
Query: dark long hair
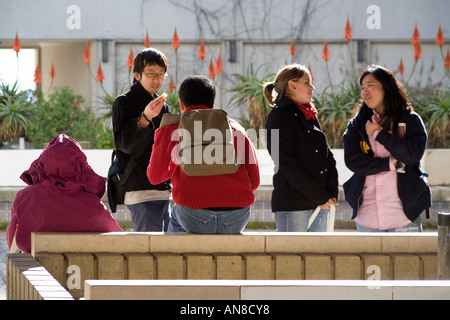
395	99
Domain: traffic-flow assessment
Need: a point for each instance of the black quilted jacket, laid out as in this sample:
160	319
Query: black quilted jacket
305	168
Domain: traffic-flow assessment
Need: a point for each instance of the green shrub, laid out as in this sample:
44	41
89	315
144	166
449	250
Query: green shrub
63	113
16	112
335	110
434	108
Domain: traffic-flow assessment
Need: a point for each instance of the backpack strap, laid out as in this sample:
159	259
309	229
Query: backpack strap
169	119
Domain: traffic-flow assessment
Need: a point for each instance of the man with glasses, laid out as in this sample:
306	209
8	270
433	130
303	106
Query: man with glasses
136	115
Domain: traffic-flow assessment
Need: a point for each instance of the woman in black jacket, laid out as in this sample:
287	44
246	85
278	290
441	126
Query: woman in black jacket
136	115
383	146
305	169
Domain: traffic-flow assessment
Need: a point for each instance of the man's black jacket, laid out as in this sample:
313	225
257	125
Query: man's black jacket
134	144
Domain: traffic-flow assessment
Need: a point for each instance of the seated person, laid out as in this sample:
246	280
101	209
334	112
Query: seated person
63	195
205	204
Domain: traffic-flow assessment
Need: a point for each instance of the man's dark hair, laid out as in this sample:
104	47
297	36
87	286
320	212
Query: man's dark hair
149	56
196	90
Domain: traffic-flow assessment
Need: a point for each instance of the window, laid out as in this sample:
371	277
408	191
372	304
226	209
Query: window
20	69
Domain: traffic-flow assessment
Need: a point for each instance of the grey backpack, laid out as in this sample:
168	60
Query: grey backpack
206	142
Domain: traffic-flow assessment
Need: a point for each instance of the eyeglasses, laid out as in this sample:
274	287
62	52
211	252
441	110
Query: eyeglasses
156	76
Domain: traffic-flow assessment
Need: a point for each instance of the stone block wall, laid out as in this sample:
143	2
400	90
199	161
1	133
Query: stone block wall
251	256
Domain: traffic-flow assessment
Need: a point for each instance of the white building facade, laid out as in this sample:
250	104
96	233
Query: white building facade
243	32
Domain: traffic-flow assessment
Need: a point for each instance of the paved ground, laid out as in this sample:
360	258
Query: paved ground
3	252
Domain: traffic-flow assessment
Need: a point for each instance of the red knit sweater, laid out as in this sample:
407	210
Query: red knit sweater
229	190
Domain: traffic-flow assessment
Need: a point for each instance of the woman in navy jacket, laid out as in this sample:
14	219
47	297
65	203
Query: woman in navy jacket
388	190
305	169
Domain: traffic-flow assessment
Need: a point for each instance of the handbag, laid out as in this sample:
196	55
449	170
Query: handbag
116	183
331	218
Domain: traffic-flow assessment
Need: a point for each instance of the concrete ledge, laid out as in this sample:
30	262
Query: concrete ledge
89	242
251	242
248	242
27	279
265	290
250	256
351	242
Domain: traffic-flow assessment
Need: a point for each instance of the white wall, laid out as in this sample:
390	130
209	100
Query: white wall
14	162
219	19
262	30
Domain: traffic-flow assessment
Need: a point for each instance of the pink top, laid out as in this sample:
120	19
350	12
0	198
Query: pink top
381	207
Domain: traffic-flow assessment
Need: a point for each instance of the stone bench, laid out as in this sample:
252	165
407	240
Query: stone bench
260	290
29	280
250	256
251	242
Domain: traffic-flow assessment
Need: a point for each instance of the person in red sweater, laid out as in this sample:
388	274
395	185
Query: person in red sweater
218	204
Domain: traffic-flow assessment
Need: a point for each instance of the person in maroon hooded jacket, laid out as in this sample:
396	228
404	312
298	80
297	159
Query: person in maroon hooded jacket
63	195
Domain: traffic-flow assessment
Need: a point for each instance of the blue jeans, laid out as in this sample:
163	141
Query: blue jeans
150	216
184	219
415	226
297	221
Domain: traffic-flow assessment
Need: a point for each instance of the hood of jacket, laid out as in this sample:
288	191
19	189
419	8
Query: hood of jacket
64	162
63	195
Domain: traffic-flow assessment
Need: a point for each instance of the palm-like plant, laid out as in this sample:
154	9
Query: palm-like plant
16	112
250	92
173	101
437	112
335	111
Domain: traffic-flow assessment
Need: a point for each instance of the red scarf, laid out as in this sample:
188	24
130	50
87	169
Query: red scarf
308	109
